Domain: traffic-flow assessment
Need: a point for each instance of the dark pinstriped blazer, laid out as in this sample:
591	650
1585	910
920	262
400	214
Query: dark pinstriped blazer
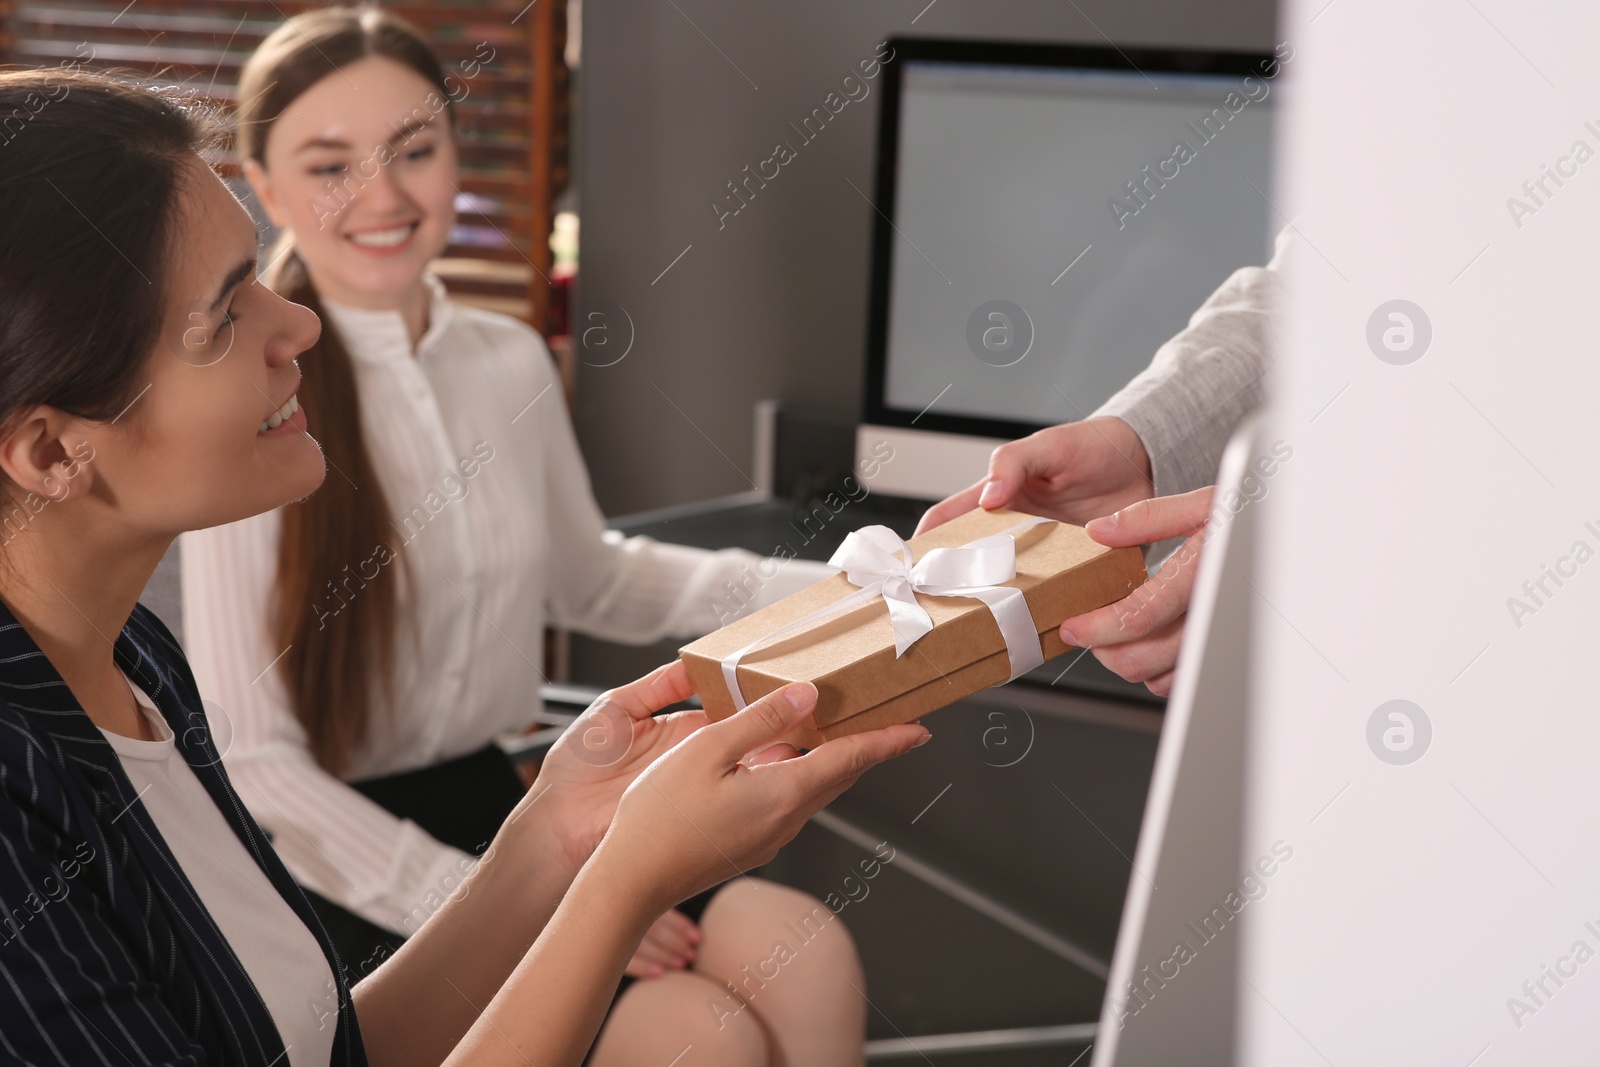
107	956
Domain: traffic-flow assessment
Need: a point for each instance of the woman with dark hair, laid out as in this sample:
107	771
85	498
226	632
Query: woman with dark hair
148	386
370	642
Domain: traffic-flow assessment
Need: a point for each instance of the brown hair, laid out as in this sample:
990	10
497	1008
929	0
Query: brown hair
90	174
340	636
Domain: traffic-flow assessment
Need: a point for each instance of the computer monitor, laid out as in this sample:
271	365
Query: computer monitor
1045	218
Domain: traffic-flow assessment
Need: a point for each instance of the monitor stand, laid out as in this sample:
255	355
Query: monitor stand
923	464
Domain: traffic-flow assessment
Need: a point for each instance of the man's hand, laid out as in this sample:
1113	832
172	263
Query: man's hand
1138	637
1073	472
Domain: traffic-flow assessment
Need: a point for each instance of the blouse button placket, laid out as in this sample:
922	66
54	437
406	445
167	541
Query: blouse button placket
466	579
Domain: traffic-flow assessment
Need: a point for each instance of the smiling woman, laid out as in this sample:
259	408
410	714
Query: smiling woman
370	644
97	253
401	168
125	266
152	918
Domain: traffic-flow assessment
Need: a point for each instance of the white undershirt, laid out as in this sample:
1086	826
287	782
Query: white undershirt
276	949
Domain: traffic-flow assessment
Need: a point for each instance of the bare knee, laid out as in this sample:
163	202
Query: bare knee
754	930
660	1019
794	963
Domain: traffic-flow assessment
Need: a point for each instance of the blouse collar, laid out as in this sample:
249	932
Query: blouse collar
378	335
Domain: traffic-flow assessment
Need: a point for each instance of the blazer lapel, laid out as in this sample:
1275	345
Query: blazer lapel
153	656
31	684
146	650
174	691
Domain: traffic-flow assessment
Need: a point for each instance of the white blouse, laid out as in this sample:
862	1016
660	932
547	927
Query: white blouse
491	502
277	951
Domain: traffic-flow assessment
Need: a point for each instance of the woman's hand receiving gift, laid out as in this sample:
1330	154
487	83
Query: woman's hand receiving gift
731	794
745	797
600	755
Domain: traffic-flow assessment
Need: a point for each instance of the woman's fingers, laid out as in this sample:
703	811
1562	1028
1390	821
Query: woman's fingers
1060	471
1138	637
1014	463
708	805
649	961
668	945
639	967
951	506
1148	658
831	767
1151	607
640	699
677	934
619	734
825	771
686	927
653	955
1010	465
1161	684
1152	520
772	754
761	724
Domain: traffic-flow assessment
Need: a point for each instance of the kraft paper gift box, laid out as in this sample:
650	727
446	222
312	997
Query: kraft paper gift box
850	653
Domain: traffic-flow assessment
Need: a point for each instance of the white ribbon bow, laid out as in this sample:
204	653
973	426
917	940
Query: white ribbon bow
877	560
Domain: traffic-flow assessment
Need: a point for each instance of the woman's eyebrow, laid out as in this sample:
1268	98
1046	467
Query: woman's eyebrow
322	142
409	129
406	129
239	273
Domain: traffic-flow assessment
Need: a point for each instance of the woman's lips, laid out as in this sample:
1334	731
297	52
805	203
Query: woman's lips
390	241
294	422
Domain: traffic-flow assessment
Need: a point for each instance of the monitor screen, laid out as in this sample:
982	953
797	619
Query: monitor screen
1050	224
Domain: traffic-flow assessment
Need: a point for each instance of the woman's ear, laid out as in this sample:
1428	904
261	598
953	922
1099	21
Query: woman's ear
256	175
45	454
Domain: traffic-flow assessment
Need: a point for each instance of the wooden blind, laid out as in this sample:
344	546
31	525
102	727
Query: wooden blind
512	120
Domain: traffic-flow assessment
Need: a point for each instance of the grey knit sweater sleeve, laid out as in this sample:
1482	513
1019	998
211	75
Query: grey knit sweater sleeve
1202	383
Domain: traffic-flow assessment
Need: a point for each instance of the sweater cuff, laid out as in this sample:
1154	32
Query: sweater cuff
1179	462
422	876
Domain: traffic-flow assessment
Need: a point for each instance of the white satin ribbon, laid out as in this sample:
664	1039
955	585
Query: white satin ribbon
877	560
